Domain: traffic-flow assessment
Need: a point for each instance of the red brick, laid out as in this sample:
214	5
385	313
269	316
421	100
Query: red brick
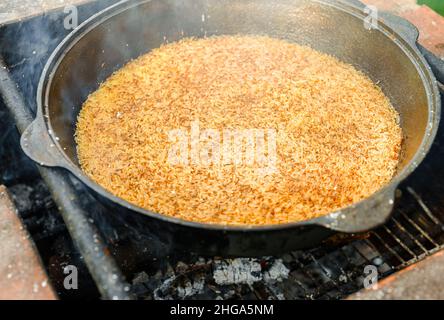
22	275
431	27
394	6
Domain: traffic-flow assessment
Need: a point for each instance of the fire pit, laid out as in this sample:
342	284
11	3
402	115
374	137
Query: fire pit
70	228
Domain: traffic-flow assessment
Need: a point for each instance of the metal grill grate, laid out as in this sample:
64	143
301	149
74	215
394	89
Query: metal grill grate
331	271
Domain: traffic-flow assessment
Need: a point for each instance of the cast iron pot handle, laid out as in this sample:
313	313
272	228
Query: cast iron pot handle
38	145
411	34
436	64
407	30
363	216
368	215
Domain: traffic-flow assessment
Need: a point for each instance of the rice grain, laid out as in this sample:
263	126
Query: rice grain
337	135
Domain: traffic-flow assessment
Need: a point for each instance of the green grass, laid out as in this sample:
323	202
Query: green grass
437	5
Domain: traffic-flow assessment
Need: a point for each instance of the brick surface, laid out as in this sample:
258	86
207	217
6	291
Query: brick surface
423	280
22	275
395	6
431	26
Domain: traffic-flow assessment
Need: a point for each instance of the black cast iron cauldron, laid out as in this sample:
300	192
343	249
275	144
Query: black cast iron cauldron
384	49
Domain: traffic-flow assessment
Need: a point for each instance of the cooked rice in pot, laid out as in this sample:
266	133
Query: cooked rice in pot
337	137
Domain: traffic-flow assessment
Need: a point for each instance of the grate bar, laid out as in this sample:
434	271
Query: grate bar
393	252
367	244
419	244
423	205
102	266
341	269
324	270
399	241
417	227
